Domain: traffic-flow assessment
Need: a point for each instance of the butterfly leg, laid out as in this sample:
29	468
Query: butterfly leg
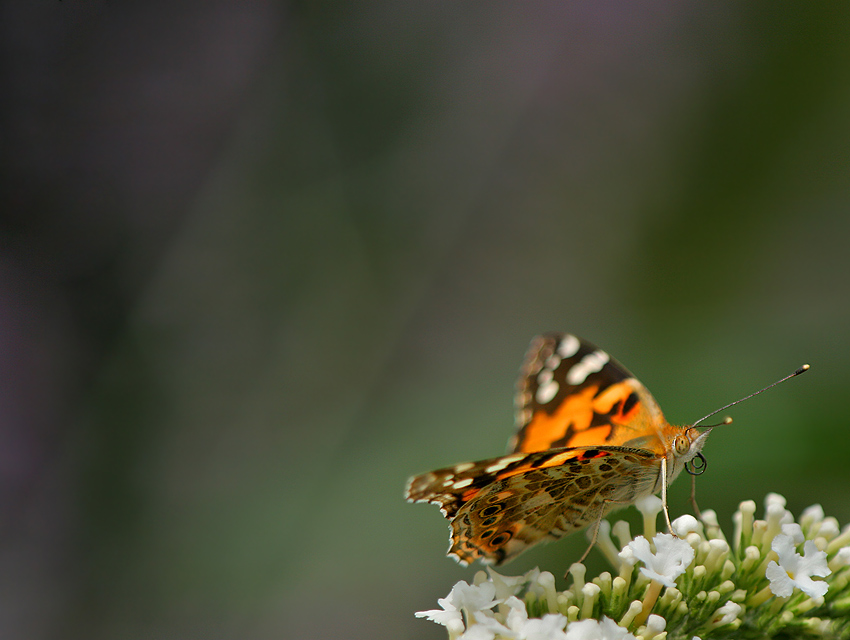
594	537
592	540
697	512
696	469
664	496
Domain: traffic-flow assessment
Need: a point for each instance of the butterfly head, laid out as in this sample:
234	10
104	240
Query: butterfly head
684	447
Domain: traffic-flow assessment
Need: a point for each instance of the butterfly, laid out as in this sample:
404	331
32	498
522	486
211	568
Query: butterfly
590	439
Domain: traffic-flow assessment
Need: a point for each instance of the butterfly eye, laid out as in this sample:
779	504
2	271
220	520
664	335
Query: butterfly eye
682	445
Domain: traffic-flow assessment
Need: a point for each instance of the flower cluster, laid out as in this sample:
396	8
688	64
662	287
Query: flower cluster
695	584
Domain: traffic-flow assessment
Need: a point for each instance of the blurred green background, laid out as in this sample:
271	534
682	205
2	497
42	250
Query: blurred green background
262	261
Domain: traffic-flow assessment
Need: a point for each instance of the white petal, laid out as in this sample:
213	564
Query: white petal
780	581
784	547
612	631
594	630
812	588
478	632
440	616
814	561
550	627
471	597
584	630
639	548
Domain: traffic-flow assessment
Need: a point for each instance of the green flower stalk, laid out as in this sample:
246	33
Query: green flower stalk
777	578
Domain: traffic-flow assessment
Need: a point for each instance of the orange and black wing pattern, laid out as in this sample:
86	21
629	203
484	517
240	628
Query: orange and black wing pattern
499	507
590	439
572	394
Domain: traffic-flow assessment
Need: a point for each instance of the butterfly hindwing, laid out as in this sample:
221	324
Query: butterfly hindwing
499	507
571	393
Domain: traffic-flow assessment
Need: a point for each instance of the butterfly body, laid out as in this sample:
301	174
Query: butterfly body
590	439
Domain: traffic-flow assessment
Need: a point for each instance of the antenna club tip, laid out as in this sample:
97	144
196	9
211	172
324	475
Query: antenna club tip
802	369
727	420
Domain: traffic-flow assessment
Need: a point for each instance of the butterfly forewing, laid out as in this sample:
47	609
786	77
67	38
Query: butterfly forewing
571	393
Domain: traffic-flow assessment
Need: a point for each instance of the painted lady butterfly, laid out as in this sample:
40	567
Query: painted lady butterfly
590	439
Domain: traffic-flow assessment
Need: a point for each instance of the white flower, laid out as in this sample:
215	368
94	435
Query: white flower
683	525
813	514
650	504
513	583
462	597
841	559
485	627
627	555
671	559
448	616
776	515
478	632
654	625
595	630
517	616
727	614
794	531
472	597
543	586
794	570
774	498
549	627
829	528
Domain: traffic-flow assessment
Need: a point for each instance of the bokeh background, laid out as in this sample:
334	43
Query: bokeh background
261	261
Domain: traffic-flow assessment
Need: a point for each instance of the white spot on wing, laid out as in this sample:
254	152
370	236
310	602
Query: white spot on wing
553	361
547	391
569	346
503	462
591	363
464	466
460	484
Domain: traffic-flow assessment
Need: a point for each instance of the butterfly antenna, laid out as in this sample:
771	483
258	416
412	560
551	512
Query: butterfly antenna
802	369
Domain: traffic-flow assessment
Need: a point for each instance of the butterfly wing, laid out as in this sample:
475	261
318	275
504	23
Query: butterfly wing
571	393
497	508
